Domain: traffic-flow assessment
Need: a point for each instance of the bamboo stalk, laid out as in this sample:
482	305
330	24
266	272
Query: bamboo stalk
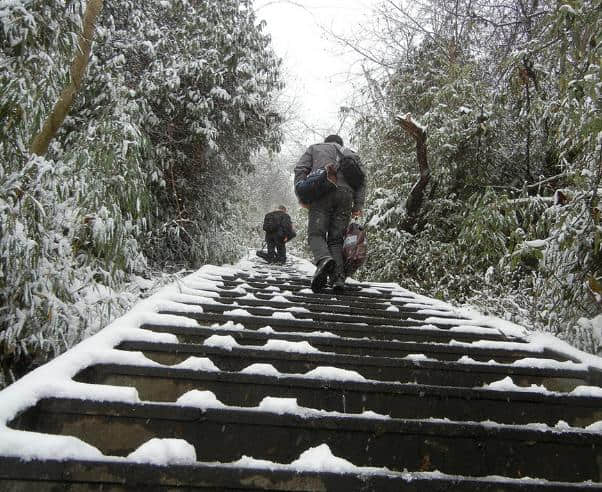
55	119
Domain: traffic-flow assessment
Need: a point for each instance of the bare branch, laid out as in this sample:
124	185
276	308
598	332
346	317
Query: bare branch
416	197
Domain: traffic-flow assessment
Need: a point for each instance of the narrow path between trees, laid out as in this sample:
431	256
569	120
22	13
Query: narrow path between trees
241	378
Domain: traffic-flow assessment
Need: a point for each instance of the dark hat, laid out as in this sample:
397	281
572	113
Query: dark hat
334	139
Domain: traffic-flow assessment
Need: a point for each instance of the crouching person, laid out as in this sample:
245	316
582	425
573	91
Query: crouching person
278	231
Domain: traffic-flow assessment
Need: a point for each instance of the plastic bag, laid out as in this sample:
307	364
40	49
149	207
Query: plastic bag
355	248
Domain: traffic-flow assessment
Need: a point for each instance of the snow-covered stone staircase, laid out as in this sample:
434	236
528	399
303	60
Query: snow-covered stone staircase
242	378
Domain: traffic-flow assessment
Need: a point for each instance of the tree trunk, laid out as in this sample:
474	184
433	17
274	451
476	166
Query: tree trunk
41	141
416	197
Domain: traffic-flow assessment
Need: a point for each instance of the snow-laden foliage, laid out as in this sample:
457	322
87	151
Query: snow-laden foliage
144	171
509	93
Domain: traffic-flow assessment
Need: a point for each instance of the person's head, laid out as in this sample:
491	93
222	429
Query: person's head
334	139
282	208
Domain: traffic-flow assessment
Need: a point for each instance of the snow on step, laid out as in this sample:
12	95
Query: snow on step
164	452
228	342
316	459
324	373
206	286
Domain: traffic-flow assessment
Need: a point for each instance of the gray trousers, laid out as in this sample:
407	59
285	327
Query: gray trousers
328	218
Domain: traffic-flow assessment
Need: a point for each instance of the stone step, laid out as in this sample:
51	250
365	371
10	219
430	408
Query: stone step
413	331
396	400
296	278
330	304
226	435
299	297
263	308
385	295
440	429
403	313
295	288
375	368
301	281
355	346
52	476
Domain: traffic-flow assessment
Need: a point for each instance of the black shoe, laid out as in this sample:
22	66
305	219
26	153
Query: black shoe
263	255
339	286
324	268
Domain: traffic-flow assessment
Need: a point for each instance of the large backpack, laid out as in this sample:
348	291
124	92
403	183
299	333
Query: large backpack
271	223
351	167
314	187
355	248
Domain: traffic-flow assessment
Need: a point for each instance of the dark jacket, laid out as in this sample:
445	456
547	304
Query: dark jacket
319	155
278	224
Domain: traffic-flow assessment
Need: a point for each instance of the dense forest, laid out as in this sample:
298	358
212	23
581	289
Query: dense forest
143	137
509	93
143	174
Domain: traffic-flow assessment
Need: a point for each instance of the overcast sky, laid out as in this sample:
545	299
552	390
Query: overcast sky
316	68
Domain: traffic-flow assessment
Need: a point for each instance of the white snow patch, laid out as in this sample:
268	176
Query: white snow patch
279	406
202	285
261	369
34	446
164	452
200	399
326	334
370	290
588	391
304	266
279	298
237	312
191	301
449	321
477	330
536	243
465	359
298	309
547	364
595	427
321	459
249	296
497	345
226	342
286	346
220	271
282	315
418	357
546	340
205	294
229	325
335	374
197	364
507	384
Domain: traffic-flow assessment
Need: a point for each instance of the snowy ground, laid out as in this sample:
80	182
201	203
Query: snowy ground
55	378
